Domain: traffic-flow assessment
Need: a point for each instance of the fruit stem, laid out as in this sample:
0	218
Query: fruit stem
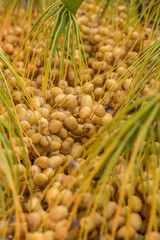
73	5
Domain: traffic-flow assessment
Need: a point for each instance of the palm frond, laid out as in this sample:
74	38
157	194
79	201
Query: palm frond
142	71
28	9
142	10
30	5
58	31
15	175
127	147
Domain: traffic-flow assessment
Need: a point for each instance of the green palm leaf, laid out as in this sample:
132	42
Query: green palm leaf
131	141
11	141
55	24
